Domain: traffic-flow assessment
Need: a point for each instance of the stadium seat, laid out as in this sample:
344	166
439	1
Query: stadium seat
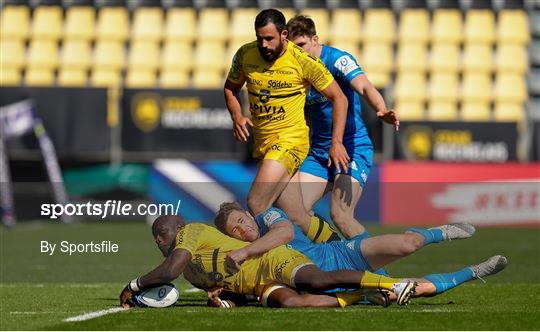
109	54
321	18
513	27
378	79
410	87
348	46
478	58
39	76
12	53
476	87
80	23
511	58
174	78
241	23
141	78
10	76
14	22
479	26
180	17
345	26
72	77
147	24
76	54
106	77
377	57
177	54
47	23
510	88
379	25
475	111
412	57
444	58
144	55
443	88
113	24
287	12
43	53
410	111
209	55
213	24
509	112
447	26
208	79
414	26
442	111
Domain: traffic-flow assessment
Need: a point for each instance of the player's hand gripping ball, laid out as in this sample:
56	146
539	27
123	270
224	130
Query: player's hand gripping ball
162	296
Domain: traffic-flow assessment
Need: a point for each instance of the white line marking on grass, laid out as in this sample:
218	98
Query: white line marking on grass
193	290
94	314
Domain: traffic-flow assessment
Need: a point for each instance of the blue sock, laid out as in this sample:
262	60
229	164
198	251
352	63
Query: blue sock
365	235
446	281
432	235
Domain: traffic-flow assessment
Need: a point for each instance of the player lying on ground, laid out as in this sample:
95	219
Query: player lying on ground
316	177
359	253
198	252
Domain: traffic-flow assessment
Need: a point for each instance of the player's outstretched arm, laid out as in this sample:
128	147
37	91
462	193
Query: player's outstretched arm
170	269
363	86
232	100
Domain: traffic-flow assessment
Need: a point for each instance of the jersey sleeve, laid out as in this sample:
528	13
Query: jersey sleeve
268	218
344	66
236	72
190	237
314	70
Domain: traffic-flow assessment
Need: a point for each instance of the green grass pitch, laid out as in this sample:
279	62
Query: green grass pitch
38	291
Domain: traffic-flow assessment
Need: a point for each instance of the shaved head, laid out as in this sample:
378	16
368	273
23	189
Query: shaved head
164	230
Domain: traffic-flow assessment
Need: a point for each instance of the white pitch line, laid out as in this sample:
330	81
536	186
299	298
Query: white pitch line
95	314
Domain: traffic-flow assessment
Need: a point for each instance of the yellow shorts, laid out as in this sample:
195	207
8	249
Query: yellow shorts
288	149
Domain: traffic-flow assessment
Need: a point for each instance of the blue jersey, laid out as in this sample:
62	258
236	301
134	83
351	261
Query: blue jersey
344	68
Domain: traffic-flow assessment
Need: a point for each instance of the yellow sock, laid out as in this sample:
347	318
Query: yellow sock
347	298
372	280
320	231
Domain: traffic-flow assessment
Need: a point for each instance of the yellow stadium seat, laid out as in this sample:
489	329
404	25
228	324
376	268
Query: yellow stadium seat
147	24
39	76
10	76
76	54
511	58
14	22
445	58
475	111
377	57
345	26
109	54
144	55
241	25
106	77
141	78
47	23
476	87
113	24
180	17
321	18
208	79
479	26
80	23
443	88
414	26
213	24
72	77
12	54
379	25
378	79
231	51
513	27
412	57
442	111
410	87
174	78
177	54
510	88
410	111
348	46
478	58
509	112
209	55
447	26
43	53
287	12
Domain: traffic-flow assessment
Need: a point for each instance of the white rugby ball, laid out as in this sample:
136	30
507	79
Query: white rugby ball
158	297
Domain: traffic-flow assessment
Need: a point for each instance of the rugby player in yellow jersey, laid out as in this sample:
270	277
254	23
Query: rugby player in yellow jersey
198	252
278	74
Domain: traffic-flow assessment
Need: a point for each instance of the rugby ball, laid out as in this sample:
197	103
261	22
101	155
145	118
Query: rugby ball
157	297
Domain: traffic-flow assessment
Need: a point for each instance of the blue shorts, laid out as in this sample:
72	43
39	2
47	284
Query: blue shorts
359	167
